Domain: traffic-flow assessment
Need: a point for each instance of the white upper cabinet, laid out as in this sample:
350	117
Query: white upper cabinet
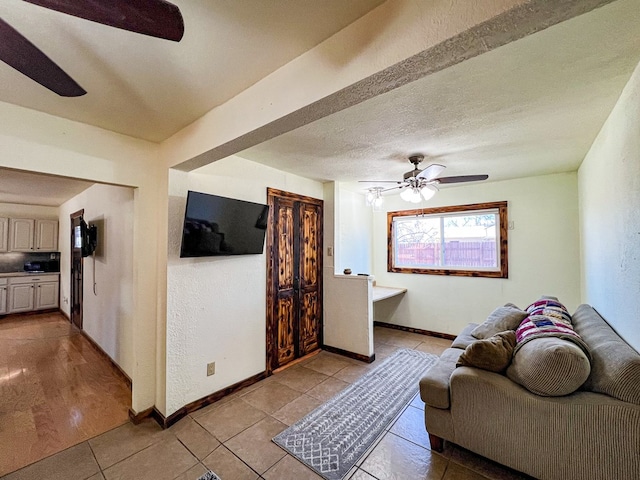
4	234
21	234
46	235
29	235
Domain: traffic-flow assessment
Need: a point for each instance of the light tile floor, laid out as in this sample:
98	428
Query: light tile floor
233	436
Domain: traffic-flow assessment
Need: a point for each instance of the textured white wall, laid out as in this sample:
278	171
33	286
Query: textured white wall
108	315
543	256
609	186
216	305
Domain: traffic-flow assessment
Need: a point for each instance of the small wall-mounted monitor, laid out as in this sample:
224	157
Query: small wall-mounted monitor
85	238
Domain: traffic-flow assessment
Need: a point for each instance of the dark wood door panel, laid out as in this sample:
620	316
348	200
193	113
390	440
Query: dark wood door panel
294	277
309	245
284	244
309	322
286	330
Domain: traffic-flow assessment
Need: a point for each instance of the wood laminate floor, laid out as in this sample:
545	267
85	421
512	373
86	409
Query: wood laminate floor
56	389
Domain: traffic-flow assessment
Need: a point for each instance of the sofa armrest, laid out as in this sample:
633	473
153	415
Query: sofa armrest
434	386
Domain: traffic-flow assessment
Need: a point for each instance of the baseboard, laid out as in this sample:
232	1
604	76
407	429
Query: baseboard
346	353
31	312
415	330
166	422
105	355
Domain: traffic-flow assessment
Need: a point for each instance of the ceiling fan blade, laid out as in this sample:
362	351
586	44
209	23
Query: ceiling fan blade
431	172
398	187
378	181
461	179
157	18
19	53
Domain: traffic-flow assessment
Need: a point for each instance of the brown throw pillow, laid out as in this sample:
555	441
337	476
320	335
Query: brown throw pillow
493	354
501	319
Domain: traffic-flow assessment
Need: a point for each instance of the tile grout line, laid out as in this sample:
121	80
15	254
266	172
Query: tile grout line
96	459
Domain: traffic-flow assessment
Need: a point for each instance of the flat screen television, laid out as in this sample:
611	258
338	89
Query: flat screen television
215	225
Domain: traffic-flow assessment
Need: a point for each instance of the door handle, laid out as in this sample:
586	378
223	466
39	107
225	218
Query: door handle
296	283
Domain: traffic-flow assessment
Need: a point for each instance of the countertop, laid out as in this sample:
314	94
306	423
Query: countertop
27	274
380	292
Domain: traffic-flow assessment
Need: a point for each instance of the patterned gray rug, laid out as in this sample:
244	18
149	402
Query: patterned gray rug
332	438
209	476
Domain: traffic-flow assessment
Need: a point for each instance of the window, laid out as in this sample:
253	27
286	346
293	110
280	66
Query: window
463	240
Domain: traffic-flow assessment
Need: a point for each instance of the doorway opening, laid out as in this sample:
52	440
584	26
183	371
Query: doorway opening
76	291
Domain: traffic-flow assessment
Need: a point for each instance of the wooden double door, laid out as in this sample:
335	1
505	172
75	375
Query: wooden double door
294	277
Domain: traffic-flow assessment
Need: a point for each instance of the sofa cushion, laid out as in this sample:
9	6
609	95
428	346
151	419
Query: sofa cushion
434	386
615	366
549	366
465	338
493	353
501	319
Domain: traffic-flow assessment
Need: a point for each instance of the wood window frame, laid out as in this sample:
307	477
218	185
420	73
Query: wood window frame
503	272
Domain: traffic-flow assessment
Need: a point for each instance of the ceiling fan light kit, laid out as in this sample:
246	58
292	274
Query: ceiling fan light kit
417	184
374	198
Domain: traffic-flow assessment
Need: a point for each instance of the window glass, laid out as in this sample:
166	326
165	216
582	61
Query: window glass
459	240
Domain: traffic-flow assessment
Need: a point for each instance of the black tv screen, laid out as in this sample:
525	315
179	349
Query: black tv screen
216	225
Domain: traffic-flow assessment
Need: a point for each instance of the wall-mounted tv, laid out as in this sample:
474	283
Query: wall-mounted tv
216	225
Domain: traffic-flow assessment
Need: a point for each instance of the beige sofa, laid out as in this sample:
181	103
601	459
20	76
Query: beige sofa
593	433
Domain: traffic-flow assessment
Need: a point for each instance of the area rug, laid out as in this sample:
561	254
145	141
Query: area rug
332	438
209	476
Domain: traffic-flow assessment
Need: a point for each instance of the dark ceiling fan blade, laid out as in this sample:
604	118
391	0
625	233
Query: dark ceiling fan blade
156	18
19	53
461	179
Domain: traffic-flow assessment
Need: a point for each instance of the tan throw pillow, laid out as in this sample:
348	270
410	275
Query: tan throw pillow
501	319
549	366
493	354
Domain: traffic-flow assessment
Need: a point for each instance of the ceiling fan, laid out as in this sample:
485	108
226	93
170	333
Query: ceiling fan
157	18
418	184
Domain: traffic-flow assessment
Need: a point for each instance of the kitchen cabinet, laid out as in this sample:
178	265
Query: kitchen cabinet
28	292
33	235
4	234
46	295
46	235
3	296
21	234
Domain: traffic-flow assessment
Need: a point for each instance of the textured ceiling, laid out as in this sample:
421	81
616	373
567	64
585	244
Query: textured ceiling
150	88
528	108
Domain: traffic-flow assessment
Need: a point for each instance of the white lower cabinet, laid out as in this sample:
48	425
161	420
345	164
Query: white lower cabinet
28	293
46	295
20	298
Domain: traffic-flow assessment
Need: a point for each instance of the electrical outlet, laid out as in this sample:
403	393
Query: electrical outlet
511	225
211	368
329	251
